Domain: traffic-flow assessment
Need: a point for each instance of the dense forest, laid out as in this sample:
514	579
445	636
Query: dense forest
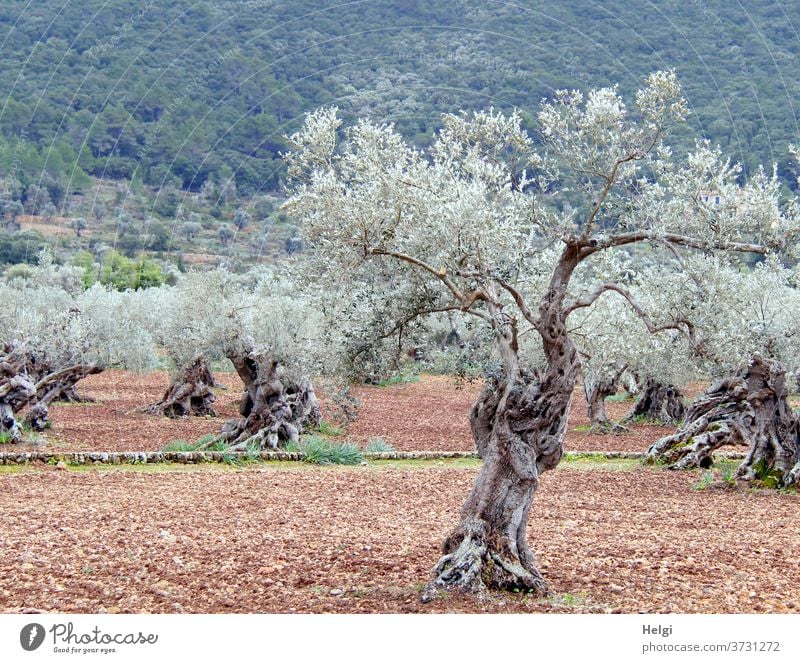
184	93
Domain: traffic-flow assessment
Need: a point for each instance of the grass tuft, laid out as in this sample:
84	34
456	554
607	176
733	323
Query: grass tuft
324	452
328	429
378	445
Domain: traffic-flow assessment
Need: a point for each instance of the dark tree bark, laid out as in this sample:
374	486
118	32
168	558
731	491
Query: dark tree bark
272	412
749	409
518	424
53	387
189	394
657	402
596	393
27	381
16	391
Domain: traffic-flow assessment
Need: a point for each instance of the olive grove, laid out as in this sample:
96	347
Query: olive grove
53	333
617	347
269	334
497	226
750	346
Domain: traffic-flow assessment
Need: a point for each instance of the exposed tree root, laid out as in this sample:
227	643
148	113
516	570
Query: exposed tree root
657	402
189	394
749	409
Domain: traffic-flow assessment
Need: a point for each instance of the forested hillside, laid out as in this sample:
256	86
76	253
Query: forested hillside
184	92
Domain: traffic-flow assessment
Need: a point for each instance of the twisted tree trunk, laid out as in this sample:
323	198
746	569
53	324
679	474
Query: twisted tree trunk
658	402
16	391
749	409
52	387
518	424
27	381
271	411
189	394
596	392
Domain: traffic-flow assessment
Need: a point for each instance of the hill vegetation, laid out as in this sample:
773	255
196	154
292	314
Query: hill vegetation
196	97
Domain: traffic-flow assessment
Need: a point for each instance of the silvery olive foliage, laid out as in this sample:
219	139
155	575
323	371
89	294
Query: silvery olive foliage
217	312
62	324
746	312
476	224
207	313
732	312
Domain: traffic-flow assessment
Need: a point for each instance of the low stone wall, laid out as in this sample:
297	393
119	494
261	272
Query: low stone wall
195	457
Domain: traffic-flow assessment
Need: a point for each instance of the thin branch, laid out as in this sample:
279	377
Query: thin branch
673	238
610	179
400	324
683	326
519	300
466	300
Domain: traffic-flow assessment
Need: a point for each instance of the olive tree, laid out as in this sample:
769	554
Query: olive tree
464	226
186	320
53	333
268	333
749	336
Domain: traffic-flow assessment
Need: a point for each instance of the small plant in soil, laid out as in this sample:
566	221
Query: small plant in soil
324	452
253	452
178	445
378	445
328	429
766	475
705	481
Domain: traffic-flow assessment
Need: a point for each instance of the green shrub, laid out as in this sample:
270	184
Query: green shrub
378	445
197	445
329	429
324	452
179	445
705	481
219	445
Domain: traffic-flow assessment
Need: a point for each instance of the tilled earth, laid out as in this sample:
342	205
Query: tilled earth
429	415
277	539
610	537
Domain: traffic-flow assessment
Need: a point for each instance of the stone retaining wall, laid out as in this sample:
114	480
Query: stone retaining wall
194	457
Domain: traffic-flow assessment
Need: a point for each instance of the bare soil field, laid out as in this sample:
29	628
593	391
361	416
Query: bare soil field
609	537
429	415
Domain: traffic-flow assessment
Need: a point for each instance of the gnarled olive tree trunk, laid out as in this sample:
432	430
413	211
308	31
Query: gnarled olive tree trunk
16	391
190	393
596	392
25	381
658	402
54	387
518	424
271	410
748	409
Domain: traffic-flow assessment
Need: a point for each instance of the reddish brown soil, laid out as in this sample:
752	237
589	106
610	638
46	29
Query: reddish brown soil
363	539
433	414
112	423
429	415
